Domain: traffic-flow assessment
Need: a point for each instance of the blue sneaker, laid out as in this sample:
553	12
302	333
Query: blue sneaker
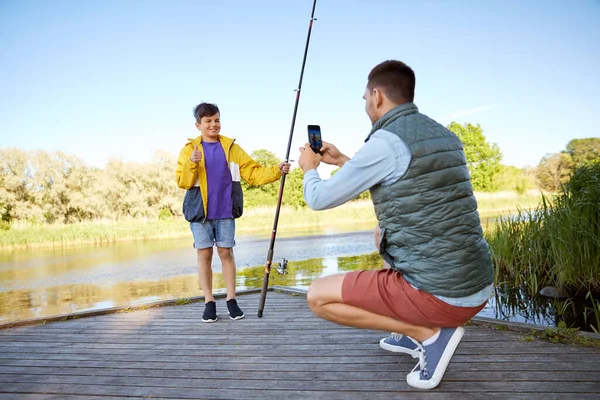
399	343
434	359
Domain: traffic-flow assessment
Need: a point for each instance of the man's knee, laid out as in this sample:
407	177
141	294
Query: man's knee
323	291
312	296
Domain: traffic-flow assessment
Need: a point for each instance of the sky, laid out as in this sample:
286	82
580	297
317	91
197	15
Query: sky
111	78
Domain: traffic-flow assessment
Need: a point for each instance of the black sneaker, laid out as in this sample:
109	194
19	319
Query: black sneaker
234	310
210	312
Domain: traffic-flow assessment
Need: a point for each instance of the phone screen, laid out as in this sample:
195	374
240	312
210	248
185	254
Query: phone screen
314	138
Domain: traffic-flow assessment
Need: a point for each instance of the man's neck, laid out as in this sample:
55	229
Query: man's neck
385	108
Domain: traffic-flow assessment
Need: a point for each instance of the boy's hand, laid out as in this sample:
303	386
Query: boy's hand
284	167
196	156
332	156
308	159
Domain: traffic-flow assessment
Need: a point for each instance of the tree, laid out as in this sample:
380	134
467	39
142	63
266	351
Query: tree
554	170
264	194
294	191
483	158
513	178
161	194
583	151
17	190
62	185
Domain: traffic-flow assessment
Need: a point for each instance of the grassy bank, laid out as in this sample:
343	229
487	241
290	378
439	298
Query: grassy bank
557	245
254	220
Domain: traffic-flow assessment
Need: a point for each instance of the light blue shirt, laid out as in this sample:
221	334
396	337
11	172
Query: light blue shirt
382	160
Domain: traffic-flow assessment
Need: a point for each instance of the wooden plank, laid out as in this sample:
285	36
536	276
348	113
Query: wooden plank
168	353
351	348
455	374
296	385
333	396
265	389
253	350
315	357
235	365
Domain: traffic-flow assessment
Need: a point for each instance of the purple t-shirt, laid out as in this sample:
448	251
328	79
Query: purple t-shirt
220	202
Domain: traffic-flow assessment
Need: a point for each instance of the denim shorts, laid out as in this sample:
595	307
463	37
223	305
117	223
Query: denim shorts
217	231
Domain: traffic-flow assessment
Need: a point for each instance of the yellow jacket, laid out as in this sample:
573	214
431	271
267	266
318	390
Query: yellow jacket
192	176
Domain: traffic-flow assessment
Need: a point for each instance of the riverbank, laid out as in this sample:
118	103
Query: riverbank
354	214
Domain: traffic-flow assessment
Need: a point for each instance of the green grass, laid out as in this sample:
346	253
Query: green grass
101	232
350	216
558	244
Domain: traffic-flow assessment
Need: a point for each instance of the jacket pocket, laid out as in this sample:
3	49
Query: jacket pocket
238	199
193	207
382	248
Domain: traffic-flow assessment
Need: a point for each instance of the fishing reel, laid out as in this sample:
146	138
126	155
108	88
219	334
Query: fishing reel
282	267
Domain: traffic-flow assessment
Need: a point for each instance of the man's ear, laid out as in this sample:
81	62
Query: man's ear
197	126
378	97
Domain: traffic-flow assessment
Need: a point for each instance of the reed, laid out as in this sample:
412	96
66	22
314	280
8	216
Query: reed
556	244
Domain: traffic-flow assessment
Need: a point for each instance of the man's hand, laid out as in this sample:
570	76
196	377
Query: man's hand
196	156
332	156
284	167
308	159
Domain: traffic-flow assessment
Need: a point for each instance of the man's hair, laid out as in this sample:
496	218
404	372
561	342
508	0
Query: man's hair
205	110
396	79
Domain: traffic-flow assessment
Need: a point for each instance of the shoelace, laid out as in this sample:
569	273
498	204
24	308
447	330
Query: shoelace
422	364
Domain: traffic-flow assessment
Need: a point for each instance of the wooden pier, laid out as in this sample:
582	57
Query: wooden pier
168	353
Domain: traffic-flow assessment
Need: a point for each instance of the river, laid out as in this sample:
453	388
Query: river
51	282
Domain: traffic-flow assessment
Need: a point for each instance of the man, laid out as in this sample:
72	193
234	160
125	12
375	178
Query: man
441	272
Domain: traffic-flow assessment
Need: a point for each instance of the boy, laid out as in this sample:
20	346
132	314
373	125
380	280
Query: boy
210	167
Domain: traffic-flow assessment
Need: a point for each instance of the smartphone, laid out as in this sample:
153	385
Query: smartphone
314	138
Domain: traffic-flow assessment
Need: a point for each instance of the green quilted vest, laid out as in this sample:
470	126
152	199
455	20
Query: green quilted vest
430	227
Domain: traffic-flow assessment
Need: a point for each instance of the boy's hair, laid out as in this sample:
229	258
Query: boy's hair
395	78
205	110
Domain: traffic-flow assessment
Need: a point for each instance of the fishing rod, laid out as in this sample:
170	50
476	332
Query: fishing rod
282	268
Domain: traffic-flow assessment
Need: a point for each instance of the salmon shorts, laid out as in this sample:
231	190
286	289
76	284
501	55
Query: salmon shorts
385	292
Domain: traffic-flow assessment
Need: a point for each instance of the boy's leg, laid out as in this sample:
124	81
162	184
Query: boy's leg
325	300
205	274
204	239
229	272
225	238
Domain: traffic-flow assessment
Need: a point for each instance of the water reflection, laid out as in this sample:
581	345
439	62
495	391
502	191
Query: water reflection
55	282
50	282
67	298
518	304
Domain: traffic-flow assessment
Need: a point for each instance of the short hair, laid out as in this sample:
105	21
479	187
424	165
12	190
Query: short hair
396	79
205	110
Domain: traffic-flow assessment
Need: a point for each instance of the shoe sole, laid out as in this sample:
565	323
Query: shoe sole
236	318
209	321
413	379
398	349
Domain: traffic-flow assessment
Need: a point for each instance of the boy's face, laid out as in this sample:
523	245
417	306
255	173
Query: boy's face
210	127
